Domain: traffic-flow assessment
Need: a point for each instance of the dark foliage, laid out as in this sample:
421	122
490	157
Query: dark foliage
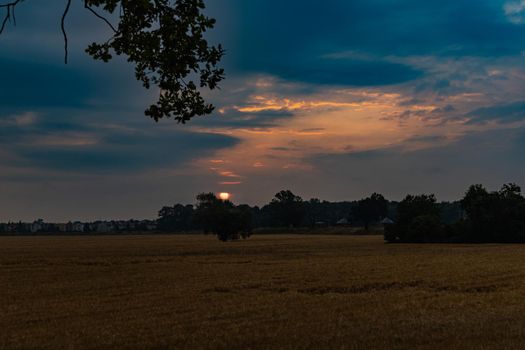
371	209
223	218
418	220
286	209
164	40
176	218
494	216
488	217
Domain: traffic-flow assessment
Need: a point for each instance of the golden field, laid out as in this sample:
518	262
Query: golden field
268	292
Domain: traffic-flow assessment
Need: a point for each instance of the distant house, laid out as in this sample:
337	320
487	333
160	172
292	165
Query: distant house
321	224
77	226
121	226
61	227
132	225
342	222
387	221
103	227
37	226
151	226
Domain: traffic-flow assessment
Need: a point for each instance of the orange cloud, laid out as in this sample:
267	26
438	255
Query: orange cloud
269	104
338	121
228	174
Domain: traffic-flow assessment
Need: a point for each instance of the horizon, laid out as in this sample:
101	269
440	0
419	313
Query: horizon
228	197
332	102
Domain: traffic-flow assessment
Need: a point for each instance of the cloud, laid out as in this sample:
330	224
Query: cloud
52	143
434	139
344	72
302	29
506	113
447	169
30	84
515	11
234	118
22	119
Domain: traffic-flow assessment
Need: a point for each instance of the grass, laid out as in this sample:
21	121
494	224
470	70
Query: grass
271	291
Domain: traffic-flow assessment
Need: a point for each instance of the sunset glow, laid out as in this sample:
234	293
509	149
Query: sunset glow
224	196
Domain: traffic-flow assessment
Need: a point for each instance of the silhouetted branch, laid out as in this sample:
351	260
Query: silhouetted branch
10	13
64	15
175	50
99	16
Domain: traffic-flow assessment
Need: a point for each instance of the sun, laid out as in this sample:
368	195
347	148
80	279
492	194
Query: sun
224	196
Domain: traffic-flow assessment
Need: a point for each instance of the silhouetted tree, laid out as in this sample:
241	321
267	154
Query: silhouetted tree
494	216
451	212
176	218
165	41
417	220
314	211
288	208
222	217
371	209
21	227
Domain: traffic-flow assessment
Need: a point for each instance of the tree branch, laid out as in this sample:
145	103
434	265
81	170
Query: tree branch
10	11
99	16
64	15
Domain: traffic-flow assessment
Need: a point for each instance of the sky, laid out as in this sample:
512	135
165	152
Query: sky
331	99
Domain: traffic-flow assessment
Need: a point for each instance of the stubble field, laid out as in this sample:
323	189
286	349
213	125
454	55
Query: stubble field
273	291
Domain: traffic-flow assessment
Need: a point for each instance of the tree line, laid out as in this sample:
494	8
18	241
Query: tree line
488	217
286	210
480	216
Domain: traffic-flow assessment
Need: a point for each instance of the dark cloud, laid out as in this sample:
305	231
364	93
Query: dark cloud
50	142
30	84
507	113
290	39
145	152
427	138
447	169
409	27
234	119
346	72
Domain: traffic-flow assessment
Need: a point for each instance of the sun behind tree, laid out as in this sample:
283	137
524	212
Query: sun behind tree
224	196
222	217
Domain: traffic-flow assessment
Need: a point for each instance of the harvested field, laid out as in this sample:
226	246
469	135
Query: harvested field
271	291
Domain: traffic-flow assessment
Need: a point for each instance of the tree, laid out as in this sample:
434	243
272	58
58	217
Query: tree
494	216
313	211
287	208
165	41
176	218
418	220
371	209
222	218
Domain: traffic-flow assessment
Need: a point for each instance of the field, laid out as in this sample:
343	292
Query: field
271	291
